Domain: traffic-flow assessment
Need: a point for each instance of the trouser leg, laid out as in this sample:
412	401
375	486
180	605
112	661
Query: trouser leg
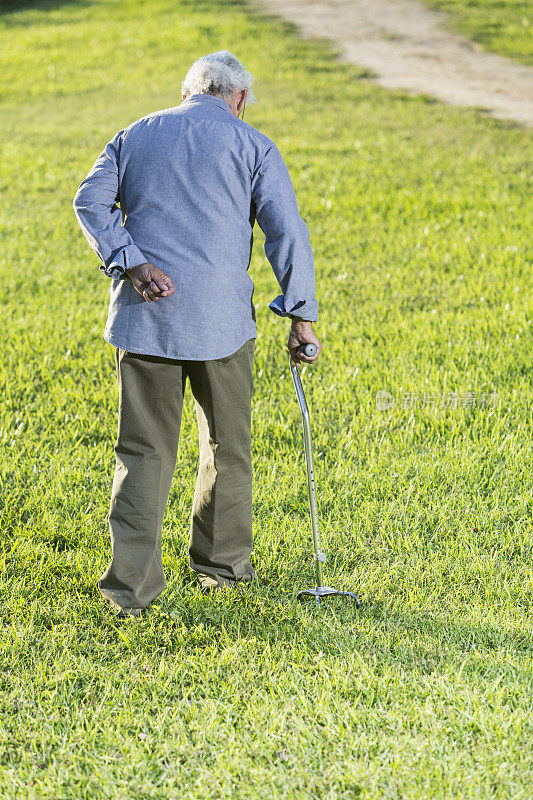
151	393
221	522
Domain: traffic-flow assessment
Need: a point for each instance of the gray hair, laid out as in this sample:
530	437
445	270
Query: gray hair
218	73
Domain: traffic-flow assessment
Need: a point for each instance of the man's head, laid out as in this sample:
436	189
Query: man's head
223	75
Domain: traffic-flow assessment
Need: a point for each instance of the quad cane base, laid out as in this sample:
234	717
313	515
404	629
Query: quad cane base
325	591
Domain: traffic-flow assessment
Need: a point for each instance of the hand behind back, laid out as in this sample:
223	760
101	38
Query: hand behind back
150	281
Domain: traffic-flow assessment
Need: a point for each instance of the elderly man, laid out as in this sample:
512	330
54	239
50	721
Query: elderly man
191	180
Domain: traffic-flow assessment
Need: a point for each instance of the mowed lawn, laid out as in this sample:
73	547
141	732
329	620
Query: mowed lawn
505	26
420	219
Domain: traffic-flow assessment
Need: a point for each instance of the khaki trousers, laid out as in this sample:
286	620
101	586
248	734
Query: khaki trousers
151	392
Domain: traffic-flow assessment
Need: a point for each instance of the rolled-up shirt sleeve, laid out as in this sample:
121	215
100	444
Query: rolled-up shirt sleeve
287	242
100	218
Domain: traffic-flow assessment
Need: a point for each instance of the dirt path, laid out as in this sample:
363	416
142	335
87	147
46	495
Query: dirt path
407	46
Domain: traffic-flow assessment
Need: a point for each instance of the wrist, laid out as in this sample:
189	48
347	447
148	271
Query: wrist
301	323
129	270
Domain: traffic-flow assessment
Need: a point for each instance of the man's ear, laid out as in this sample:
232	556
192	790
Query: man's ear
241	99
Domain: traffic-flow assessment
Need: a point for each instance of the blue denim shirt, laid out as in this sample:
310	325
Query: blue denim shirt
191	180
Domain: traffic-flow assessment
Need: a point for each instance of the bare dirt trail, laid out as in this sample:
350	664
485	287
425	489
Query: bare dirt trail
408	47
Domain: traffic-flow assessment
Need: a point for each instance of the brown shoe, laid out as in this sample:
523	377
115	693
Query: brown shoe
129	613
209	584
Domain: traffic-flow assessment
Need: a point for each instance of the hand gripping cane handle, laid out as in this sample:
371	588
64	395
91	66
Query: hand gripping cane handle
308	349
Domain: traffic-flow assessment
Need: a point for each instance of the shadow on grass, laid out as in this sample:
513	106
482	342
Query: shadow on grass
415	640
184	620
11	6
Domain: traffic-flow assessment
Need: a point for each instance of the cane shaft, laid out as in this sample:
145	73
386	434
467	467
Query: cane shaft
313	505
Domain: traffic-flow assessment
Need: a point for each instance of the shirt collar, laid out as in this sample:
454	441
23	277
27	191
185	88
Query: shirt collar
208	99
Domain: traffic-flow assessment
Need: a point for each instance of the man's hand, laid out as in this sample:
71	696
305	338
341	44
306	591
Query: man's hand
150	281
302	333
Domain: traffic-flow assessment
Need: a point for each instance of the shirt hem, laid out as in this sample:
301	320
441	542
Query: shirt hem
113	341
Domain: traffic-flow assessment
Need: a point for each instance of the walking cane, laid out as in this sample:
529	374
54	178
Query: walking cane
320	590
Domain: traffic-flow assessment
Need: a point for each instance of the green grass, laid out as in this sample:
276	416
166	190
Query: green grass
505	26
420	217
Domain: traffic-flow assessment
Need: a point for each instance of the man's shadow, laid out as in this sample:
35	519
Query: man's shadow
10	6
421	641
